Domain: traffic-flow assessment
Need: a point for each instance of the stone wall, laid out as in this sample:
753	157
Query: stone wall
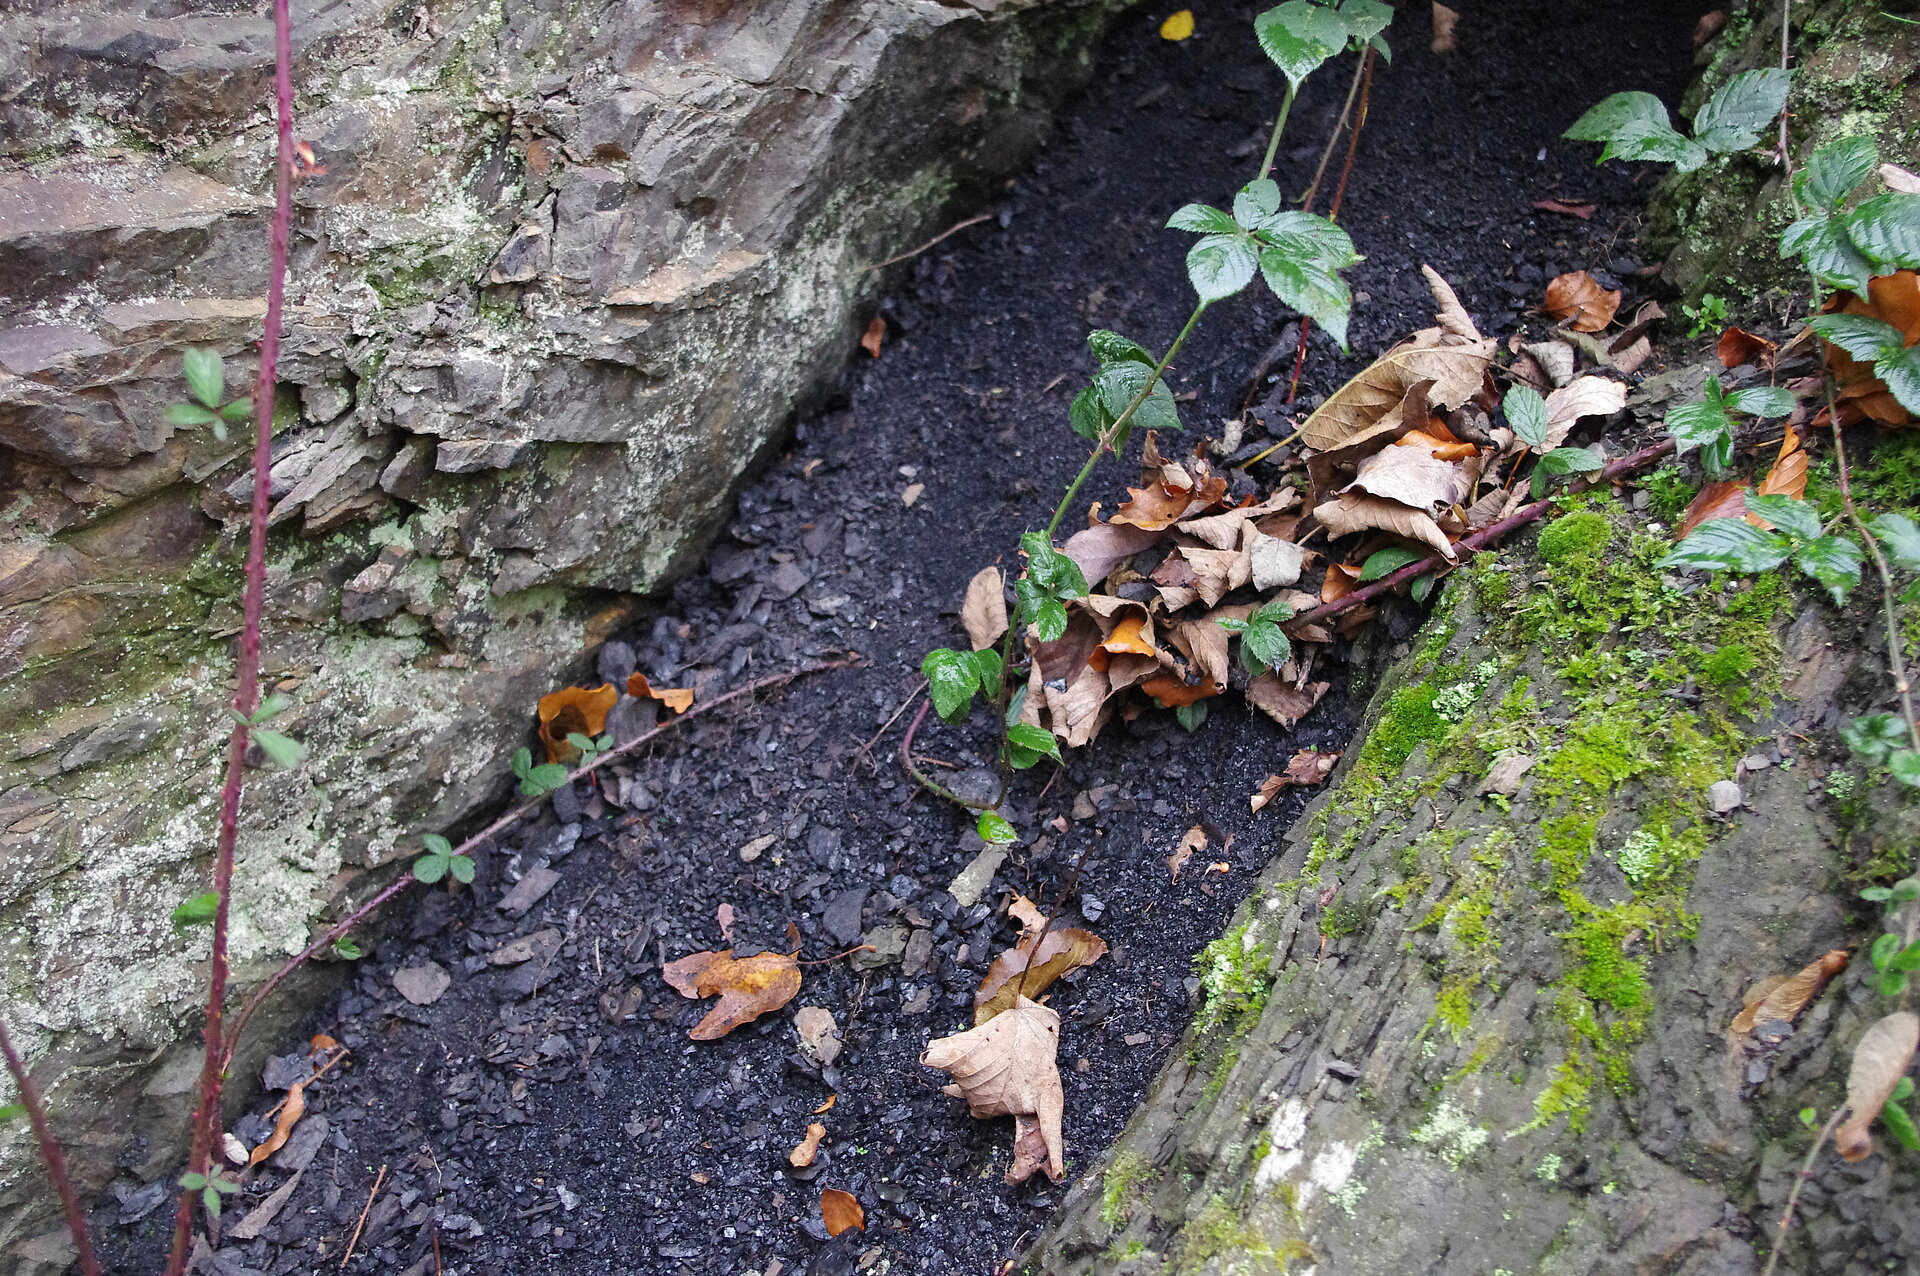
570	267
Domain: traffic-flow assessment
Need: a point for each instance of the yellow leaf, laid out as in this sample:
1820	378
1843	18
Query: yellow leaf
1178	27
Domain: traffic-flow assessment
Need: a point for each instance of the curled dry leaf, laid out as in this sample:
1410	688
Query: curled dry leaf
1413	476
1098	550
1786	996
1899	179
1504	776
1027	913
748	987
1029	1148
1194	840
1445	22
1350	513
1306	769
1879	1061
1893	299
1583	396
819	1034
840	1211
984	613
1282	701
1788	474
678	699
1021	971
808	1148
1008	1066
1568	208
1738	346
1577	300
574	710
292	1108
875	334
1722	498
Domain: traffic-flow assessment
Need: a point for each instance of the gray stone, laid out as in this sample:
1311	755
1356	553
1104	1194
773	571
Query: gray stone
528	891
787	580
973	880
888	945
842	918
422	985
302	1145
1724	796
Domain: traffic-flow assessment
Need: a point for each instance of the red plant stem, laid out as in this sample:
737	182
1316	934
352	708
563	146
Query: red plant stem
206	1124
1631	463
486	834
1333	210
50	1153
925	781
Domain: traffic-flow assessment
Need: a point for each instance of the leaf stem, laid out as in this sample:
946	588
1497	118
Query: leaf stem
1793	1194
1279	127
927	782
1360	69
55	1160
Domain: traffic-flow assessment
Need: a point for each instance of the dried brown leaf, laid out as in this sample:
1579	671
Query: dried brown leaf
1899	179
1577	299
808	1148
1282	701
1023	971
570	710
291	1110
1738	346
1029	1148
1879	1061
1195	839
1582	397
1368	406
1445	23
875	334
1008	1066
1785	997
841	1210
1893	299
1413	476
984	612
1350	513
1723	498
1788	474
1098	550
1027	913
1504	776
1568	208
748	987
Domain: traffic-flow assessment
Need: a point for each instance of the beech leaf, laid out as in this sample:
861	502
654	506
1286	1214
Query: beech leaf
808	1148
984	613
1194	840
748	987
1879	1061
1282	701
1020	971
678	699
841	1211
294	1107
1578	300
1306	769
574	711
1585	396
1008	1066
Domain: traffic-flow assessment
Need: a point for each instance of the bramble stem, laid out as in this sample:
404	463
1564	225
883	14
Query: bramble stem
1363	81
926	781
1360	68
1896	659
1793	1193
1279	127
246	695
486	834
56	1161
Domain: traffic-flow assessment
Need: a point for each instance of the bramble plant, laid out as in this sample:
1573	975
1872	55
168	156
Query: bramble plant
1636	126
1263	644
1299	256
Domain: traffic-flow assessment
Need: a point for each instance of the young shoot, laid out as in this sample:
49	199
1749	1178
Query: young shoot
206	375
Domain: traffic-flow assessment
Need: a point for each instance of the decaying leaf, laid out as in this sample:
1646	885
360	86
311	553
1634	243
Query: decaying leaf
678	699
292	1108
1125	638
1413	476
984	613
574	711
875	334
1008	1066
840	1211
1027	913
819	1034
1879	1061
1504	776
808	1148
1577	300
1029	1148
1722	498
1021	971
1099	549
1445	23
1306	769
1282	701
1369	405
1738	346
1900	179
1350	513
1788	474
1583	396
1785	997
1893	299
1569	208
1195	839
748	987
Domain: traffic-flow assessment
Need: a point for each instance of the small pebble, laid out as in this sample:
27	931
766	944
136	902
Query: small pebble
1725	796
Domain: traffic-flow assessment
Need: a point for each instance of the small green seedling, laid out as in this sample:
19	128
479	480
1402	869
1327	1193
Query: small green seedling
206	375
590	748
1710	314
198	911
211	1188
994	831
439	861
283	750
537	781
1263	644
1708	423
1733	544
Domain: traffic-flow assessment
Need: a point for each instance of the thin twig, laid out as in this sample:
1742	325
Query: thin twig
926	782
954	229
354	1240
246	696
486	834
1896	659
1364	79
1786	155
1339	126
874	739
1793	1193
56	1161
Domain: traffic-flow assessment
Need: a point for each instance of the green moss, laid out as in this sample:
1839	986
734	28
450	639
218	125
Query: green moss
1217	1231
1126	1173
1571	536
1454	1009
1568	1094
1669	492
1233	972
1407	722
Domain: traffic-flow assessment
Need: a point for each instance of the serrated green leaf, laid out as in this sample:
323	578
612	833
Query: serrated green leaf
1572	460
1313	291
461	866
1526	415
1313	238
986	669
1273	611
1905	765
437	844
1608	116
1762	400
1119	383
1873	736
1231	625
1049	620
1204	219
1906	889
284	751
1052	571
206	376
1656	143
1299	37
548	776
1861	336
1835	171
1900	370
1040	740
1385	562
270	708
1731	120
1887	229
1707	426
1365	19
210	1199
1190	716
1422	586
1087	416
1907	959
1834	561
186	414
1111	347
1900	537
1883	950
192	1181
198	911
993	830
1379	45
1221	265
1264	646
12	1112
347	950
951	682
1729	544
522	762
1827	251
237	411
1794	517
1258	199
430	868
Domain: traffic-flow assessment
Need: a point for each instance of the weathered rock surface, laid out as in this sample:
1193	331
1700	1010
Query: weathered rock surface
569	268
1457	1032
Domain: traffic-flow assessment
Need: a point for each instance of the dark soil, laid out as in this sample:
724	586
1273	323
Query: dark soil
552	1116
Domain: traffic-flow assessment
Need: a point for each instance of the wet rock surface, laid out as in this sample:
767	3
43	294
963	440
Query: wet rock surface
547	1112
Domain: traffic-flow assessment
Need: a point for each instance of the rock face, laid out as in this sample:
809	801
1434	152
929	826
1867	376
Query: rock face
1853	76
1479	1015
568	269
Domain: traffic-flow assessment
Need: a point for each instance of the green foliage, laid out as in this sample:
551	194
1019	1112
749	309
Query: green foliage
1263	645
1710	315
1708	423
1191	716
954	676
537	781
1526	414
1668	493
1844	248
198	911
1027	744
1125	371
211	1188
1298	254
1581	534
440	860
1385	562
1635	126
994	830
1877	342
590	748
1564	460
206	378
1733	544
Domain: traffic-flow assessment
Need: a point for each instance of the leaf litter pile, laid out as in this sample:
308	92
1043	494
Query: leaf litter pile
751	1002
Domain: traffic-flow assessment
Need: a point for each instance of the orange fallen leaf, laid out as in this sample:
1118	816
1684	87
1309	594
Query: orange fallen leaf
1443	448
876	333
1577	299
1218	866
1125	638
1879	1061
1306	768
1788	475
1341	580
1195	840
826	1106
574	710
321	1041
1171	691
1023	971
808	1148
678	699
291	1111
1738	346
748	987
1786	996
1723	498
1893	299
1571	209
841	1210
